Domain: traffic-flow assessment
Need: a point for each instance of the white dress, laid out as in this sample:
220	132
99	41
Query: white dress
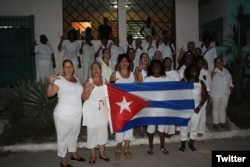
44	64
195	118
68	115
71	52
95	116
88	57
128	134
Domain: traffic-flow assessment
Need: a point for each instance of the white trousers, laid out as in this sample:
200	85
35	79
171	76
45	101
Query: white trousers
67	130
219	109
202	124
191	128
121	136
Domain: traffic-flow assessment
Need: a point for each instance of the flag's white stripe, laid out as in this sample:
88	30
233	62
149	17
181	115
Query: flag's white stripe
164	95
161	112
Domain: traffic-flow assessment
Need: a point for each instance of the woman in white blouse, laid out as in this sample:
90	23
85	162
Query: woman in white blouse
71	47
221	88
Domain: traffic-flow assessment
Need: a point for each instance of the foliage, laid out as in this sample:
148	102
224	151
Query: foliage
238	58
29	114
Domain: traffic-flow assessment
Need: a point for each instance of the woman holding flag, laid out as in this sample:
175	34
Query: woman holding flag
156	73
191	74
123	75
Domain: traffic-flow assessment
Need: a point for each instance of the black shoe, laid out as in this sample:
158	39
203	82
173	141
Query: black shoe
192	148
92	162
107	159
68	165
182	149
80	159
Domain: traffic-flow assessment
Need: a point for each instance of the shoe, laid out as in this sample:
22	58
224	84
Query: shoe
164	151
107	159
224	125
150	151
192	148
117	154
182	149
68	165
127	154
80	159
168	135
92	162
216	127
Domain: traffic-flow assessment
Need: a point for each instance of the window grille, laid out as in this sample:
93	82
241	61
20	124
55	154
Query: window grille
162	13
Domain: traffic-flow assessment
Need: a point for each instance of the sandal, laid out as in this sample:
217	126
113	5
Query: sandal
127	154
150	151
117	154
164	151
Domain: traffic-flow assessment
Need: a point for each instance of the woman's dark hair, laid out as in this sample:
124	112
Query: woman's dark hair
199	58
167	58
184	56
72	32
187	72
119	59
151	65
103	50
143	54
67	60
217	58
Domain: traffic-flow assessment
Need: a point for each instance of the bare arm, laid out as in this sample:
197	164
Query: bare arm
52	89
87	90
59	47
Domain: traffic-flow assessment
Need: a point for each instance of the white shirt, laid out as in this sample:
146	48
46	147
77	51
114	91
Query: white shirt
151	51
71	49
221	83
115	51
100	53
154	79
181	71
125	48
206	78
166	50
88	54
172	75
107	70
138	53
209	56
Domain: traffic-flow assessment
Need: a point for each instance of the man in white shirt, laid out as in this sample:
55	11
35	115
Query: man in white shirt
209	53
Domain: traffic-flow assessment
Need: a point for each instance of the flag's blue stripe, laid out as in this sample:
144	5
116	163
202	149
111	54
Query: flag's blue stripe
173	104
154	121
154	86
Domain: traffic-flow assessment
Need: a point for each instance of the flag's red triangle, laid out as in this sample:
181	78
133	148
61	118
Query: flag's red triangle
133	104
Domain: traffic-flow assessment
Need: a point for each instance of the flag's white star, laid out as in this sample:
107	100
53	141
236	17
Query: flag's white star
124	105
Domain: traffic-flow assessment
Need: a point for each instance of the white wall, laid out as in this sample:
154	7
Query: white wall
187	23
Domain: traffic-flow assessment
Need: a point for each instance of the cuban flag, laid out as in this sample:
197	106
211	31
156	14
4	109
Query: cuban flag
152	103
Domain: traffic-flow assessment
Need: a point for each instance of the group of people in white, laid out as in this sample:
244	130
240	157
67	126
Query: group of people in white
132	63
